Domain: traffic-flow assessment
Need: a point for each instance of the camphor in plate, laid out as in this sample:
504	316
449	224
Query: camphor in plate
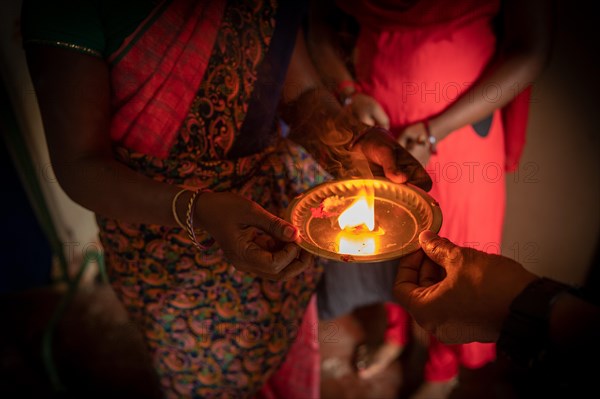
402	211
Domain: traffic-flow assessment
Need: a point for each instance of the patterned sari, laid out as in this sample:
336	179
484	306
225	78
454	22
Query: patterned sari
213	331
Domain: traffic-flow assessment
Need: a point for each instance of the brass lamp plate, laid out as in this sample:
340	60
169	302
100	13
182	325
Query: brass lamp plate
401	210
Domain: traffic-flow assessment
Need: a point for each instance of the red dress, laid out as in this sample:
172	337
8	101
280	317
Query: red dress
416	58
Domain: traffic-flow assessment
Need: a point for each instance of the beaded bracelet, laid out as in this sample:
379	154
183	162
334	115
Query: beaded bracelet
189	218
430	138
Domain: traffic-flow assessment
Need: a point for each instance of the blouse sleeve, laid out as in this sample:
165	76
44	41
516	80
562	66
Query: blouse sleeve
72	24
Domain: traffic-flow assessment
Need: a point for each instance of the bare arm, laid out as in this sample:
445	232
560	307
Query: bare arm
463	295
328	56
548	334
319	123
74	97
331	60
73	93
522	55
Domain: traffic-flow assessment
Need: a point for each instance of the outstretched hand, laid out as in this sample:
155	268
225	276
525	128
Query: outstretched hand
456	293
254	240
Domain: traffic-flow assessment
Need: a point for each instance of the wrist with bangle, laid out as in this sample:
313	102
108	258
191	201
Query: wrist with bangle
430	139
188	224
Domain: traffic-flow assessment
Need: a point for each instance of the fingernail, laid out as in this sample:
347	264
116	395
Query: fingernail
289	232
427	235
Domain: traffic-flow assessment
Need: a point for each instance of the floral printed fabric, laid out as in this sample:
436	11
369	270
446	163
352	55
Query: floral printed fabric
214	331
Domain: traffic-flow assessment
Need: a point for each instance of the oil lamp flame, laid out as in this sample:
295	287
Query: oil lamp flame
360	212
359	244
357	223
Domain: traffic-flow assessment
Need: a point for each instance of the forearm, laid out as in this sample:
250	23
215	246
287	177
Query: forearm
498	85
325	50
523	51
316	119
324	129
109	188
73	93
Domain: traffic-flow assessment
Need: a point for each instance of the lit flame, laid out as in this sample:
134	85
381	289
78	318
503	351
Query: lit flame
359	244
357	223
362	211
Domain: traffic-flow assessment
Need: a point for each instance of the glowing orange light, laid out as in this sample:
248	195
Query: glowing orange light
357	223
362	211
